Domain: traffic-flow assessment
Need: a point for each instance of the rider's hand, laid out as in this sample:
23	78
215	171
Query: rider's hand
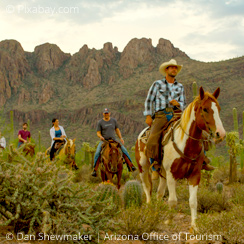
102	138
174	103
149	120
122	141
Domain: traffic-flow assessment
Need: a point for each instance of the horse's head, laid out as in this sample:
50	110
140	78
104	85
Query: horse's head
70	149
112	156
207	114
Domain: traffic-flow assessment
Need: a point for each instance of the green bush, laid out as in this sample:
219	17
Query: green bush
39	196
146	219
238	194
227	224
212	201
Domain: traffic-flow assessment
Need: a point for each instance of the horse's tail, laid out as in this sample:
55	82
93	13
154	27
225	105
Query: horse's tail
137	155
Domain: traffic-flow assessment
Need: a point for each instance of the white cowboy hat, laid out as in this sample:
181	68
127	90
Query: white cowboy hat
165	65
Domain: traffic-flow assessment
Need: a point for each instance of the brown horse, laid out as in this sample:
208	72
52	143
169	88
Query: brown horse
111	161
184	151
28	149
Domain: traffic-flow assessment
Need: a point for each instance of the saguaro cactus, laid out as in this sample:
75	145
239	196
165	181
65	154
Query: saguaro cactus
11	126
39	140
235	119
231	139
194	89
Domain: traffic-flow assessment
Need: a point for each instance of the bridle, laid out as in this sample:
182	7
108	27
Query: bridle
201	140
110	160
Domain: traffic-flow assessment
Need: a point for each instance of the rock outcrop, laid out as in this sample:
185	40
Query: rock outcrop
24	96
46	94
137	52
49	57
93	77
13	68
167	49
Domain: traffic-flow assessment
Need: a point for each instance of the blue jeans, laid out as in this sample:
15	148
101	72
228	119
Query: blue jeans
99	149
20	143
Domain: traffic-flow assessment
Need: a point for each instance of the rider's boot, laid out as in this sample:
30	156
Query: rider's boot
94	172
130	165
206	164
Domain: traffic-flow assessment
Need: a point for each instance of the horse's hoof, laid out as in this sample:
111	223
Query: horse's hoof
172	204
94	173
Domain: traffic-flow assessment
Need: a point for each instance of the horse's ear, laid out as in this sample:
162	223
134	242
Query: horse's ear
74	140
201	92
216	93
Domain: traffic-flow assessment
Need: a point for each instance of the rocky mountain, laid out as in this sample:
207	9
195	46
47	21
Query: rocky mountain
75	88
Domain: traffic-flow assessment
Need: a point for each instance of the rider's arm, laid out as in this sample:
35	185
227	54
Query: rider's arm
150	99
119	135
52	134
29	137
182	99
21	139
63	132
100	135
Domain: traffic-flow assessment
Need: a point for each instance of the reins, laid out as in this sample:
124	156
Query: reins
196	139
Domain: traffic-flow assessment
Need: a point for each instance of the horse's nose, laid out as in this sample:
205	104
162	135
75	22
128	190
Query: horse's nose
220	134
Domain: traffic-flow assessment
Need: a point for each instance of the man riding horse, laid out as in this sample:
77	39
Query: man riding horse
106	129
167	96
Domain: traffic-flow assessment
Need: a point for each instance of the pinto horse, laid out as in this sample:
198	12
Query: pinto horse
111	162
184	151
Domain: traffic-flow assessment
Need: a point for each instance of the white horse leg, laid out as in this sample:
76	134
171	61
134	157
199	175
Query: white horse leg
172	192
193	204
162	185
146	178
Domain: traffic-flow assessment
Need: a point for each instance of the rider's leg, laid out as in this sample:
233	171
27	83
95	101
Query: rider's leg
96	157
127	158
52	151
206	163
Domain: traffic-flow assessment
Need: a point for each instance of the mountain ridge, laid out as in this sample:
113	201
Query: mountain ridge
49	83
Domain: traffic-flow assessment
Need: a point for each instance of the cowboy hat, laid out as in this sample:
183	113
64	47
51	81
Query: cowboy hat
165	65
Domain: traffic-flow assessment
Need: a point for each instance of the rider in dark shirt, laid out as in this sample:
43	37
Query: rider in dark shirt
106	129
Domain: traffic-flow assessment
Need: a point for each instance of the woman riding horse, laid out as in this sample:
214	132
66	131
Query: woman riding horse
58	136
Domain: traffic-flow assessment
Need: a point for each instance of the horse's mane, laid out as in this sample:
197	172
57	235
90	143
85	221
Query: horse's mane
185	117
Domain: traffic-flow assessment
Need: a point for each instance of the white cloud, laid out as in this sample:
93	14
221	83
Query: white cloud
205	30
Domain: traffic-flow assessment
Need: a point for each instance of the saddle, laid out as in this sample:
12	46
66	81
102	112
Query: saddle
58	144
165	137
105	143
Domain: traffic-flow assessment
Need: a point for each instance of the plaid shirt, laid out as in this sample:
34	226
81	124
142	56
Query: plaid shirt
161	93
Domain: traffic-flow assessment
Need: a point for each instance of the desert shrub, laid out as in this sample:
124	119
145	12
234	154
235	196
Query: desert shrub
126	175
40	196
136	221
227	224
221	174
238	194
212	201
182	190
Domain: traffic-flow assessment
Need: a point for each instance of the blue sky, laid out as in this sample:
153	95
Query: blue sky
209	30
